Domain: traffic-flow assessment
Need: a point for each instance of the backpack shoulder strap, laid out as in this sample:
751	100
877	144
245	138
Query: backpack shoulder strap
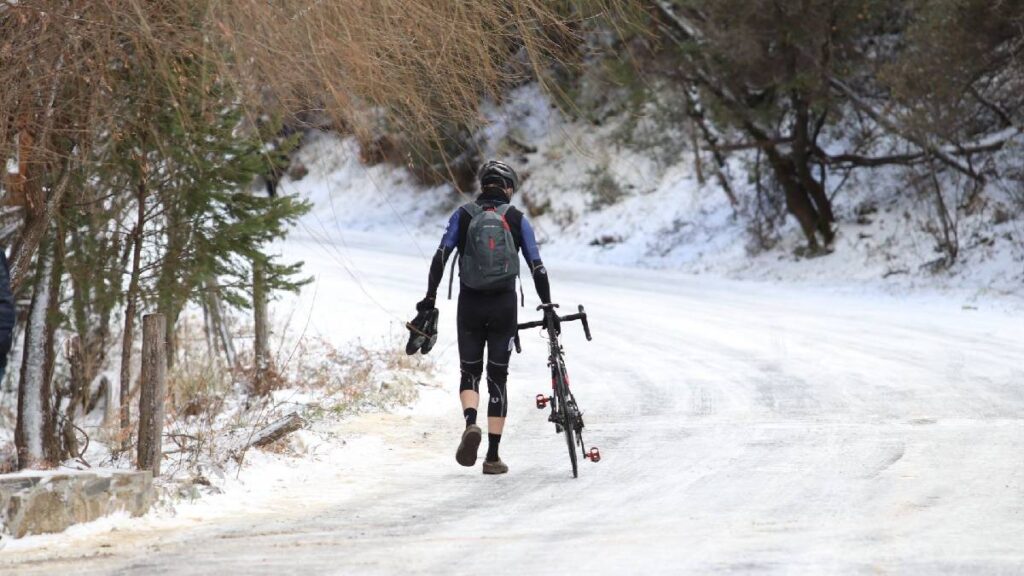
503	209
473	209
451	274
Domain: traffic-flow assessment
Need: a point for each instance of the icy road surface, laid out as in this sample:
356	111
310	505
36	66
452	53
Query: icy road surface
745	428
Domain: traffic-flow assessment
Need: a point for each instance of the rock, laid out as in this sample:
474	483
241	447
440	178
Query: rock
43	502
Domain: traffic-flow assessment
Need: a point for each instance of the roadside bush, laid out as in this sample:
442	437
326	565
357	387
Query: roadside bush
351	380
765	212
604	189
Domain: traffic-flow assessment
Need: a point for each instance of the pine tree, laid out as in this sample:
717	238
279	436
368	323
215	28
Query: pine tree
188	166
214	228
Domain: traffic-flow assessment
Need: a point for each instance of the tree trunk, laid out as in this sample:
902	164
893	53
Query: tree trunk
153	388
797	201
172	289
91	308
35	434
208	332
696	114
802	171
171	339
36	225
170	310
950	242
105	392
52	323
698	166
261	345
79	399
219	325
80	297
131	301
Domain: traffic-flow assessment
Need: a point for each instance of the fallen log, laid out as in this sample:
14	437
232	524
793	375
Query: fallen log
270	433
277	430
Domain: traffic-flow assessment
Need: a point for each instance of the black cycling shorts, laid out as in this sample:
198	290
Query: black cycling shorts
486	319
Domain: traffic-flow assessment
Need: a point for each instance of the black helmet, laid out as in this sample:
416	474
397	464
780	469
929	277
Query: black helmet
499	173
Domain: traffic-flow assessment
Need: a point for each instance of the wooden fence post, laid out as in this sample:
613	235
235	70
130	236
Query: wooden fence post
153	388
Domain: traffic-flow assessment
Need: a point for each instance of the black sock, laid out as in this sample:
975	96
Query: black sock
492	446
470	415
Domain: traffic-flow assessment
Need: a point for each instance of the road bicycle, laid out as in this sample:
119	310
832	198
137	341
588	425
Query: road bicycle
565	412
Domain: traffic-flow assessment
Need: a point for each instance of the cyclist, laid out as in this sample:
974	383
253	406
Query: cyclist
487	316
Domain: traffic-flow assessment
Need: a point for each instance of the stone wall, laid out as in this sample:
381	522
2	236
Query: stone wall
39	502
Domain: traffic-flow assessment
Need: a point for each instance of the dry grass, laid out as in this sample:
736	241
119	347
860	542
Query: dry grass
424	62
212	409
79	76
66	65
358	378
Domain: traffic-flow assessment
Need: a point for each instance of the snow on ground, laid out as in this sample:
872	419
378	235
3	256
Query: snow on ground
745	427
813	418
269	484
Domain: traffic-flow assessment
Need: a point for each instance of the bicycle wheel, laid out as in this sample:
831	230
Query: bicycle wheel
568	421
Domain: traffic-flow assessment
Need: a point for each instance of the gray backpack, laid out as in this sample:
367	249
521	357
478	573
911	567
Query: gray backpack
490	259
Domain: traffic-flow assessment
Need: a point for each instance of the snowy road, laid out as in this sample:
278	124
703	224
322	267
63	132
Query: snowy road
745	428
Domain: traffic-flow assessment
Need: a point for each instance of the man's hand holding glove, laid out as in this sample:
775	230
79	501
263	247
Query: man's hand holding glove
423	328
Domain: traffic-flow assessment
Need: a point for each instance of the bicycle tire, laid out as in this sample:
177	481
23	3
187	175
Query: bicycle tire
568	422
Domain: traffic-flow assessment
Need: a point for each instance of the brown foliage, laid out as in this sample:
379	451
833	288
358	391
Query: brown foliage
958	72
417	68
423	62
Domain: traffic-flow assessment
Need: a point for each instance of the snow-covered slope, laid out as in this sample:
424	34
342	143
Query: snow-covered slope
596	195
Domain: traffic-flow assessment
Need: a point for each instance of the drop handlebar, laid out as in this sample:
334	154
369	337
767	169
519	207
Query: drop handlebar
581	316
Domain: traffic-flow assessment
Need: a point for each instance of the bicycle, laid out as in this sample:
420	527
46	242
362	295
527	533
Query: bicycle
565	413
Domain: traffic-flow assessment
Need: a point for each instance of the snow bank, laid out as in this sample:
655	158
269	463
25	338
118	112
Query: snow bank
594	196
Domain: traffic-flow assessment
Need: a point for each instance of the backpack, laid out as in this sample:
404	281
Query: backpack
490	259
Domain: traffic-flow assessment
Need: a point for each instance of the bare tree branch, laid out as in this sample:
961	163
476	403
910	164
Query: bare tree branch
989	143
894	128
999	111
32	235
683	23
736	146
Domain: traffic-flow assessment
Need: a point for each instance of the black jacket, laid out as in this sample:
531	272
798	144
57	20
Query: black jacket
522	235
7	313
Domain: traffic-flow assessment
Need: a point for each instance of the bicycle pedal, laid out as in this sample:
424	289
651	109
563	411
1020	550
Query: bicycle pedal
542	401
594	455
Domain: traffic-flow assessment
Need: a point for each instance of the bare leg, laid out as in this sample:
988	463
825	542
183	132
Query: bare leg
495	424
470	399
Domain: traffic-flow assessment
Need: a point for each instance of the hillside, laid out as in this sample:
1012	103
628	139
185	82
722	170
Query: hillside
595	195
